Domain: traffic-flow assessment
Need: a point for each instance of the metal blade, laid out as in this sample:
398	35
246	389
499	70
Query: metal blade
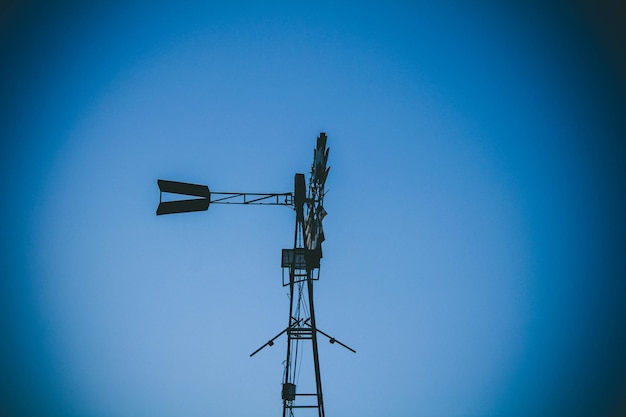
183	206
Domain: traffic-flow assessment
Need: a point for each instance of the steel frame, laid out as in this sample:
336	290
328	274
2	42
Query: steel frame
305	259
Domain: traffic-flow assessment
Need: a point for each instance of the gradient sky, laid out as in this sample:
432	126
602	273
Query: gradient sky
475	237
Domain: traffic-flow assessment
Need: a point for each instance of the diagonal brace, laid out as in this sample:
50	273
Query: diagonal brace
270	342
333	340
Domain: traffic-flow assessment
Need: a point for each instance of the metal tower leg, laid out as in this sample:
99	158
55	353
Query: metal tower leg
316	361
288	360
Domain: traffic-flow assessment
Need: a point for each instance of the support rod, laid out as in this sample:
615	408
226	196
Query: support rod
269	343
269	199
333	340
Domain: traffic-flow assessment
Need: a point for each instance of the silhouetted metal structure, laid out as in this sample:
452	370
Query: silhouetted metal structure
301	263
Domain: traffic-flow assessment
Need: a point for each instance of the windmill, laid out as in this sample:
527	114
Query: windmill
301	264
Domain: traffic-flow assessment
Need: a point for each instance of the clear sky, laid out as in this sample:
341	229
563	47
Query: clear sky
475	237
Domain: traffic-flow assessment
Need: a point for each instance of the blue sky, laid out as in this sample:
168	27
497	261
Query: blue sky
474	252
